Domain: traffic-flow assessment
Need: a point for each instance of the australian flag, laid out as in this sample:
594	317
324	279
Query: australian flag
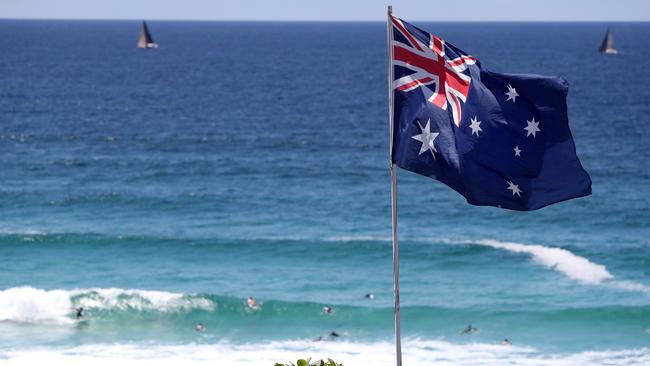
497	139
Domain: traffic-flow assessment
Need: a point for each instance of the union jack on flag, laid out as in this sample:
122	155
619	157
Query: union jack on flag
443	78
497	139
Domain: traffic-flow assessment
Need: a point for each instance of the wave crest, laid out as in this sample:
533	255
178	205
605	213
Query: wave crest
140	300
31	305
561	260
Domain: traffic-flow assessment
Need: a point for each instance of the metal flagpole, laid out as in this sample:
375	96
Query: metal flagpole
393	188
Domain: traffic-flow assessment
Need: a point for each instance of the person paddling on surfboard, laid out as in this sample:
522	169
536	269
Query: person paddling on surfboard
470	329
252	303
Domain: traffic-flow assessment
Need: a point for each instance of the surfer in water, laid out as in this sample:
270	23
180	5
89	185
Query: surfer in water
505	342
470	329
333	334
80	312
200	327
370	296
328	310
252	303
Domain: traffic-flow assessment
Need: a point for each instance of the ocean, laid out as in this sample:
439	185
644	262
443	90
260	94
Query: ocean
158	189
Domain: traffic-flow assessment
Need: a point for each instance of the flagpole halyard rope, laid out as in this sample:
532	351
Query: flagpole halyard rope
393	189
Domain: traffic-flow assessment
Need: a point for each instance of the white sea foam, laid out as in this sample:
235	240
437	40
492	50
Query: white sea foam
349	353
120	299
561	260
558	259
631	286
30	305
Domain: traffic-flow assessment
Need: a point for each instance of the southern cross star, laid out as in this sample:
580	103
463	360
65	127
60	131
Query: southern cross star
475	125
514	188
517	151
426	138
512	93
532	127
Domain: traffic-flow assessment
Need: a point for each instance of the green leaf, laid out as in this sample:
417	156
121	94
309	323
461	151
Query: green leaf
308	362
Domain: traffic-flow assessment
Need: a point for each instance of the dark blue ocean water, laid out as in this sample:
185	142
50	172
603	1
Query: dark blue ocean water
161	188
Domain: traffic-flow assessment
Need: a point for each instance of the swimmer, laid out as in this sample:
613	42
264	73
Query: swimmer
328	310
470	329
370	296
505	342
200	327
252	303
331	334
80	312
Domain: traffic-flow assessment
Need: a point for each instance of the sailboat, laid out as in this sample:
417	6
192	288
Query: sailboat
145	40
608	44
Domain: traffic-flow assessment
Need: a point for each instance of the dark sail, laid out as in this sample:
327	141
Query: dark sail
146	41
608	44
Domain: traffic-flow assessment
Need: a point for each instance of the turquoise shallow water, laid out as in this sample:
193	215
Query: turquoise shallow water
161	188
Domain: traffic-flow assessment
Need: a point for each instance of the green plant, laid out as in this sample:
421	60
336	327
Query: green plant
308	362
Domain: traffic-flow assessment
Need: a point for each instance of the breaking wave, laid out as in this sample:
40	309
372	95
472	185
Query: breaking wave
131	306
31	305
558	259
563	261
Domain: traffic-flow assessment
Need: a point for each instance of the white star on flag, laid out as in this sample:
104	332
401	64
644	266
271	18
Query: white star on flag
517	151
512	93
426	138
475	125
514	188
532	127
